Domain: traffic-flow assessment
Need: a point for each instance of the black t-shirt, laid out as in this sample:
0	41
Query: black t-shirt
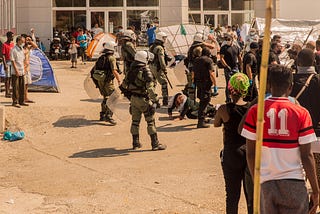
309	98
201	68
273	57
250	58
230	55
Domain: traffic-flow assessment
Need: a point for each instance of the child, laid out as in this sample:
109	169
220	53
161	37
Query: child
73	52
286	149
233	155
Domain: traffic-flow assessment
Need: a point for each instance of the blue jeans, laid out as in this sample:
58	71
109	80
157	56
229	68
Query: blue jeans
227	75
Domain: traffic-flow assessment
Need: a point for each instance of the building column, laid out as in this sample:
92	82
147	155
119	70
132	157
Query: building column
173	12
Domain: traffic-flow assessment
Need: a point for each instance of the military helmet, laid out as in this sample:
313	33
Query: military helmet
161	36
198	37
144	56
109	46
129	34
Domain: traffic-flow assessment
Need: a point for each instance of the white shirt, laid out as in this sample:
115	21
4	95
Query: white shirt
17	55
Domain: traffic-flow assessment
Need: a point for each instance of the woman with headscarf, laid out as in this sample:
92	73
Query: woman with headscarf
233	155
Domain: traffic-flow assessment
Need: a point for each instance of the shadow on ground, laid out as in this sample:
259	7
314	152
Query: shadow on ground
170	128
104	152
75	121
91	100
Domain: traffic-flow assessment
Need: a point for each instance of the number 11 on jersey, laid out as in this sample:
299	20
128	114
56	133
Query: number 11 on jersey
283	116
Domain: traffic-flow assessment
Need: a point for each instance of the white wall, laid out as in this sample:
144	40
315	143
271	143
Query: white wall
173	12
35	14
299	9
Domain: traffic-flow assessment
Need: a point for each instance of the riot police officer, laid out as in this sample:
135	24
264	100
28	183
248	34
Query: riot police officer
159	64
103	73
128	49
143	99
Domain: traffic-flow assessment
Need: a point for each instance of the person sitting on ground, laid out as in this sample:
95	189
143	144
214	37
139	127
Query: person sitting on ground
187	107
233	155
286	149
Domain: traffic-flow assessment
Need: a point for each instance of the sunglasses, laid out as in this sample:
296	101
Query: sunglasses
227	39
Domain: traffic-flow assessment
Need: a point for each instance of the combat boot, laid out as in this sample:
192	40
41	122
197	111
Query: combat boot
202	124
110	120
165	101
102	116
155	143
135	142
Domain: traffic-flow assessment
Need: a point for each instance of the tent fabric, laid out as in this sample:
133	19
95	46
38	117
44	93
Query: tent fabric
291	31
95	47
42	74
180	37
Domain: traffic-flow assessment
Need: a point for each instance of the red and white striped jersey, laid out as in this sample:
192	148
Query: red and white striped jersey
286	126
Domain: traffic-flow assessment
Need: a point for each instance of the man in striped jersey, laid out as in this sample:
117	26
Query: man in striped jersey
286	150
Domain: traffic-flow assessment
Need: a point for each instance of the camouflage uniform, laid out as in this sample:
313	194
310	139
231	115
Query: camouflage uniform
106	86
128	51
141	86
159	68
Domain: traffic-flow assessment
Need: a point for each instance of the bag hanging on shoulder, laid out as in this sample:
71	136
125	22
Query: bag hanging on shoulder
99	75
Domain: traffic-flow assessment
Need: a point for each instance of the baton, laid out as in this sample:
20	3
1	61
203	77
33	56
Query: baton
168	80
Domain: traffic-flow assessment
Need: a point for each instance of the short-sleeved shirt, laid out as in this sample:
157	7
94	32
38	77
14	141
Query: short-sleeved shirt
201	68
6	48
286	127
230	55
250	59
17	55
273	57
82	38
151	35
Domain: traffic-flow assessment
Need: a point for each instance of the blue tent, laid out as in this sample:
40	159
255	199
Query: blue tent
42	75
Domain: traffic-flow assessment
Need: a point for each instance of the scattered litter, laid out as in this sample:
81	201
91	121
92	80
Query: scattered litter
156	182
13	136
11	201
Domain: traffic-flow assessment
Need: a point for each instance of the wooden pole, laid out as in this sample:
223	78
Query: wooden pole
260	114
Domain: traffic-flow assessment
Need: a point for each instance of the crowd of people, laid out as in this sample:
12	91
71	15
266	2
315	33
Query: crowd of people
291	117
15	58
291	128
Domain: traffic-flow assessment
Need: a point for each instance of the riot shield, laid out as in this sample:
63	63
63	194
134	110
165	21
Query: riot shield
90	88
119	105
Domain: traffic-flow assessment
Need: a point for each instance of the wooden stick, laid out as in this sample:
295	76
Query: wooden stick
260	114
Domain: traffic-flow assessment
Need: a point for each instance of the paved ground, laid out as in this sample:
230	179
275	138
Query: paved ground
70	162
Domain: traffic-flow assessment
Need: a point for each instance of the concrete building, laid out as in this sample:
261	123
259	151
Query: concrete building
49	15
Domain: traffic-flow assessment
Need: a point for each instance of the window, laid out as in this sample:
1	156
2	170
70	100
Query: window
216	4
138	3
97	18
209	20
69	3
194	4
64	20
241	4
134	17
194	18
106	3
240	18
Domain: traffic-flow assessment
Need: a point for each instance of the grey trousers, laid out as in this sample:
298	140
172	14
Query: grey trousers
284	197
